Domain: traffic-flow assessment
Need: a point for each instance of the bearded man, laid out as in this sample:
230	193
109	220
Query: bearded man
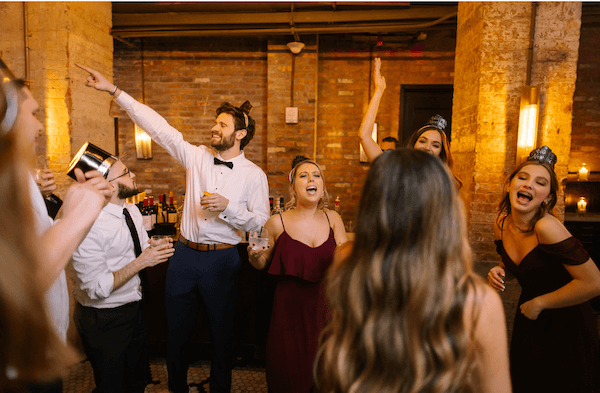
109	266
224	194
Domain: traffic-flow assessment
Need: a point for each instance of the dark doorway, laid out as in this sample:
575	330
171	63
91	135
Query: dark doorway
418	103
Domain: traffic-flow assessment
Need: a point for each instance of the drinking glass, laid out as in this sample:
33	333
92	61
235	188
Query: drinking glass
157	240
259	240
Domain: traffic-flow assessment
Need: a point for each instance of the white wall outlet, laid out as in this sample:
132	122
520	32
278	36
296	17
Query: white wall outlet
291	115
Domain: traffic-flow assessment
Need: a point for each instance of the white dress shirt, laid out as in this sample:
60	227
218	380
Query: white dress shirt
245	186
107	248
57	296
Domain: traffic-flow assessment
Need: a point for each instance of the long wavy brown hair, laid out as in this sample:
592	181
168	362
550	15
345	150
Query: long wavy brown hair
504	208
30	350
398	298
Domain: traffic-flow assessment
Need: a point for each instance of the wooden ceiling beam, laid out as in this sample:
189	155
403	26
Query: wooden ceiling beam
226	19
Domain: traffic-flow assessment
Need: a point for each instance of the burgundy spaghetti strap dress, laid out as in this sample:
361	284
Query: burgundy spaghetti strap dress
299	312
559	351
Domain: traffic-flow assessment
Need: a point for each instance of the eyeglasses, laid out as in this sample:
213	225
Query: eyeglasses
121	175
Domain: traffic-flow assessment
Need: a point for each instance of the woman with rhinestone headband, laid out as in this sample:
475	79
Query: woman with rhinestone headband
555	343
301	245
430	138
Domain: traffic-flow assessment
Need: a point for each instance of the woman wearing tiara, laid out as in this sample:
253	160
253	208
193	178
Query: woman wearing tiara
430	138
555	343
301	245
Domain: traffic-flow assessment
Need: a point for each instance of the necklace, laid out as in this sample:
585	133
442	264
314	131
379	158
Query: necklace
516	226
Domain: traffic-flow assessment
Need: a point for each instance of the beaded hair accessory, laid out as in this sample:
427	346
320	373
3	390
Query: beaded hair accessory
9	91
297	160
438	122
543	154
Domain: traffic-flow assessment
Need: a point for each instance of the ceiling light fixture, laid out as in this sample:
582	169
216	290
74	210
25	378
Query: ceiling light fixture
295	47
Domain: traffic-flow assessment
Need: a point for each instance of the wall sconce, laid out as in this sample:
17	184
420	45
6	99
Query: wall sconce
528	122
143	144
582	205
583	173
363	155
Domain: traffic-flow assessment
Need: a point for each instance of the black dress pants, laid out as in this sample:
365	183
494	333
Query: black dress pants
114	340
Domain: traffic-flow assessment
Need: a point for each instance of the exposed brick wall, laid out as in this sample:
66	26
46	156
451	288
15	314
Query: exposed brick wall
186	80
585	137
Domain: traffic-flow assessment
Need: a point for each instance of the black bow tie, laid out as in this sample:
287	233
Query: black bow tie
219	162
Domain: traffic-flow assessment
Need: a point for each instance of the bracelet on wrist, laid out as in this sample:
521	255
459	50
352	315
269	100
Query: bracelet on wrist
114	91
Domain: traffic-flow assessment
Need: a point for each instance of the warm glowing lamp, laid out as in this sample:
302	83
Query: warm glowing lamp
582	205
583	173
528	122
143	144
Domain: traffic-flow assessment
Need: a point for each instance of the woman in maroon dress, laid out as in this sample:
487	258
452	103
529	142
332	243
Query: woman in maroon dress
555	344
301	245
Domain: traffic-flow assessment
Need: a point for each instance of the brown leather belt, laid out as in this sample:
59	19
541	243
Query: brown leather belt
205	247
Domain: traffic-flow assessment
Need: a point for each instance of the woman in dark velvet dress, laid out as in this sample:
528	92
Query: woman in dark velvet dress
555	343
301	245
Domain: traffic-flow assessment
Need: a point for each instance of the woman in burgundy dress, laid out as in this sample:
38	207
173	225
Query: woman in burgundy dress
555	343
301	245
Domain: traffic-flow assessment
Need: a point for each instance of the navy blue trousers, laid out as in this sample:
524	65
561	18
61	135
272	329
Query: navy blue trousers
210	277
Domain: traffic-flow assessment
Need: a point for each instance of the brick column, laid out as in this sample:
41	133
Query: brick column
285	141
490	69
61	34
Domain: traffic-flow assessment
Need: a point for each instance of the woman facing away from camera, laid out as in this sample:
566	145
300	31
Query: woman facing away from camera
430	138
555	344
301	245
408	312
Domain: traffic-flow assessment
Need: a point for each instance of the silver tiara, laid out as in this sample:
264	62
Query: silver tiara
543	154
438	122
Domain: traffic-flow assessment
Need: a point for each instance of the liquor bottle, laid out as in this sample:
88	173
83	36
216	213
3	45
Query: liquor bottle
146	215
160	218
281	204
153	210
277	208
271	201
337	205
171	210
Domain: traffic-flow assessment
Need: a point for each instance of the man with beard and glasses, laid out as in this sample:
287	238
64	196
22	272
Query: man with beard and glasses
109	266
224	194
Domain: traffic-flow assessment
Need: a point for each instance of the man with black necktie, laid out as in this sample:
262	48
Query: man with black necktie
109	283
224	194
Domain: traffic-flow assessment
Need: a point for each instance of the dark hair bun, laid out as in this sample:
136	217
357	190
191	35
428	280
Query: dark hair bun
246	107
298	159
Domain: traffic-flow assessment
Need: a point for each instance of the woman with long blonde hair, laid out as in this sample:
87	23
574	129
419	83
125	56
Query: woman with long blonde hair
408	312
301	244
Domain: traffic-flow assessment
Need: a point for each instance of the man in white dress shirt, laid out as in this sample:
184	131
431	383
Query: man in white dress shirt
108	314
206	263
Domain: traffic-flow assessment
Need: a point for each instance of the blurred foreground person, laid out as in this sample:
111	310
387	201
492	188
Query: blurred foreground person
408	312
302	241
33	251
555	343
